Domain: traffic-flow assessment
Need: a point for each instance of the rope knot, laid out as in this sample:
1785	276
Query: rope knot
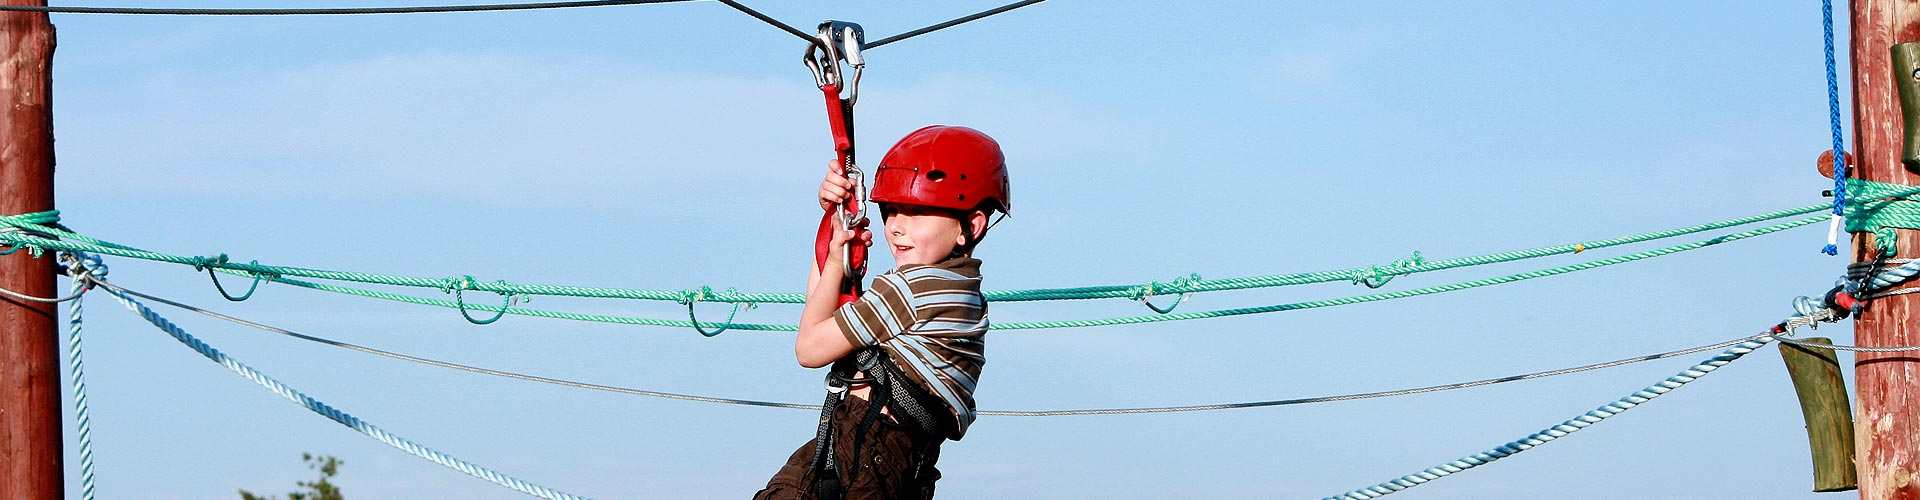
1378	276
452	284
202	263
689	297
83	267
1182	285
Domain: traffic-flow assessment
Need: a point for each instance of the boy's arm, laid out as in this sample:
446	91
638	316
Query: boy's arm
820	340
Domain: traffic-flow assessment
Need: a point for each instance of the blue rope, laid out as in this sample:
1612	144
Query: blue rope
1839	146
335	414
1562	429
83	424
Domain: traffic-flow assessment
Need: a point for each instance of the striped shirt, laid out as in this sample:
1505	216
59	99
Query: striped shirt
932	322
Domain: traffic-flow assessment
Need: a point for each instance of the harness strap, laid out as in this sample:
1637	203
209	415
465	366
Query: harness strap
892	391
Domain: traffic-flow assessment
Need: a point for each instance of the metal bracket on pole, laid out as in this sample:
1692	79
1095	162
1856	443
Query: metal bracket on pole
1906	78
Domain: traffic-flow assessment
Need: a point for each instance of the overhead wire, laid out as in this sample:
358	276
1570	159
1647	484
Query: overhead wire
770	21
326	11
948	24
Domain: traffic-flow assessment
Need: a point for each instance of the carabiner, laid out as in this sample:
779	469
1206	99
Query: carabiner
840	43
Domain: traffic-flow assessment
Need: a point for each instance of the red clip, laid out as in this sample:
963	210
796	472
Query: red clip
1845	301
840	123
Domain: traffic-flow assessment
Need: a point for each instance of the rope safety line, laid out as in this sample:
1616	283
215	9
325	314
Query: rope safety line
1005	413
335	414
1808	312
1562	429
1124	320
1880	215
446	364
325	11
68	240
82	269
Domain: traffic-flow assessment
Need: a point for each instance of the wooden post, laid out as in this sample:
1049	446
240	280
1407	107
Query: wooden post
29	340
1887	418
1823	403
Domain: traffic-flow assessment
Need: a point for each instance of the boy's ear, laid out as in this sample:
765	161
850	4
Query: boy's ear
977	222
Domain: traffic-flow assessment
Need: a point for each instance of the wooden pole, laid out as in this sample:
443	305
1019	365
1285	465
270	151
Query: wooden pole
1823	403
29	341
1887	418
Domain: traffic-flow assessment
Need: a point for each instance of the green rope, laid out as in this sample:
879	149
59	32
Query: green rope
71	241
1880	209
1450	287
1126	320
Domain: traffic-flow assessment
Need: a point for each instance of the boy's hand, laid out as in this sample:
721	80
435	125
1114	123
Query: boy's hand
838	245
836	188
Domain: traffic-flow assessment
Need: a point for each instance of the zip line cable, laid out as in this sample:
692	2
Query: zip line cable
327	11
771	21
948	24
121	290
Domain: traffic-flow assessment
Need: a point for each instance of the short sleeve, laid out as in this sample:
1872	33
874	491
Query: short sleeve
880	314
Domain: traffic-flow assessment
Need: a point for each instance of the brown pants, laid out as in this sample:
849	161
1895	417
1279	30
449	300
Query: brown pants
885	468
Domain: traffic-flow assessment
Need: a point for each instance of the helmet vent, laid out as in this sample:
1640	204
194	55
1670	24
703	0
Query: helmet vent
936	176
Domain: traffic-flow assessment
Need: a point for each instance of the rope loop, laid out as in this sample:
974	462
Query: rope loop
689	297
460	284
83	267
13	247
1378	276
1892	206
257	278
1183	285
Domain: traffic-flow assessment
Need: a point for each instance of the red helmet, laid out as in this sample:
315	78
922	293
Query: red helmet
944	166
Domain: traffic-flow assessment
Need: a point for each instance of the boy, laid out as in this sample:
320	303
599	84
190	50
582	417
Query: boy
905	356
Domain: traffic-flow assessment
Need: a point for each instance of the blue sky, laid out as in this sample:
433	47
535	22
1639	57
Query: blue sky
680	145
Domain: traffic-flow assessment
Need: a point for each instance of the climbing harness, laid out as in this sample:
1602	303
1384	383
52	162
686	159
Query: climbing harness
837	48
890	390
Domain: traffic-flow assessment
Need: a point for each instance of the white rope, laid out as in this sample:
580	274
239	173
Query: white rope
332	413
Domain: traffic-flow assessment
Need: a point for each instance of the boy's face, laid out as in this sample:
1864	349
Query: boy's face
920	235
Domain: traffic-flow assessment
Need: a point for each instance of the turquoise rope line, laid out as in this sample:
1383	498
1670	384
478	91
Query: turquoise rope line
1375	274
522	311
1450	287
1126	320
1569	426
335	414
1886	211
82	422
